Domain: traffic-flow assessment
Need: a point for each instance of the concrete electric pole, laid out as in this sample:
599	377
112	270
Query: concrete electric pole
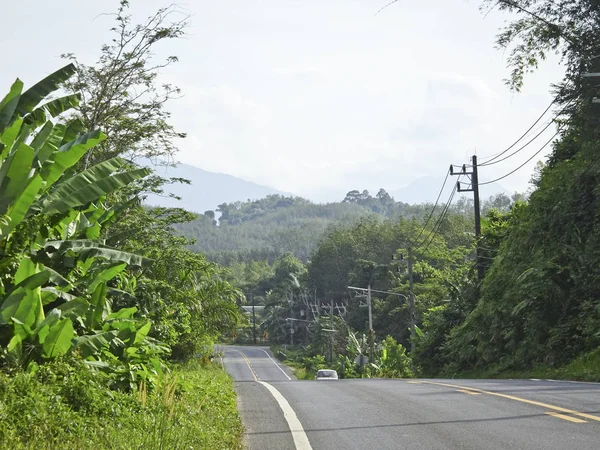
474	187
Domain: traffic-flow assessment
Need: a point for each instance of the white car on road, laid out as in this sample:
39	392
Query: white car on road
326	374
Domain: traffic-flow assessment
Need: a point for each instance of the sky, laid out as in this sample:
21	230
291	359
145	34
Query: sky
316	97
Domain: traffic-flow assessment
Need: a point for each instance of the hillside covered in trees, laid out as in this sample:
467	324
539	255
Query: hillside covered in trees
268	228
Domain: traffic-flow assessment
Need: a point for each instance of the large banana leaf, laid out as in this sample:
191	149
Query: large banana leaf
75	183
49	294
141	333
44	327
123	313
39	91
26	269
69	154
98	307
41	136
8	105
15	351
30	277
63	246
75	308
106	275
21	206
87	187
18	167
52	140
9	137
20	304
54	108
113	255
24	331
58	340
91	344
73	130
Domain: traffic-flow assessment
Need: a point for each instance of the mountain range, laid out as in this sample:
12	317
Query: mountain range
207	189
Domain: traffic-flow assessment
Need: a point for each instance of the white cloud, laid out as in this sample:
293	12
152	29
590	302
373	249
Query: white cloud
310	96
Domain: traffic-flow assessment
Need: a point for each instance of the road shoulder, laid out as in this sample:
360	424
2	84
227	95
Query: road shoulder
266	428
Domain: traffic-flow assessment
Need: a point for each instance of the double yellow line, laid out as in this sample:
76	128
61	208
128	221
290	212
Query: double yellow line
249	365
556	410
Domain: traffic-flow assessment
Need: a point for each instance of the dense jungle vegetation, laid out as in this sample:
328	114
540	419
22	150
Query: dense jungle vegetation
106	318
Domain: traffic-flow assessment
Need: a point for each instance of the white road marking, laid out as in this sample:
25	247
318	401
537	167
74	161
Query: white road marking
275	362
572	381
300	438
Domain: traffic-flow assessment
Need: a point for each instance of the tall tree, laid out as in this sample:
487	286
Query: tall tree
121	93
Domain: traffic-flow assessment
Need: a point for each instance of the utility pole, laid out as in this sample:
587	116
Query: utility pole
331	340
368	291
253	322
371	331
474	177
411	299
475	183
370	310
291	321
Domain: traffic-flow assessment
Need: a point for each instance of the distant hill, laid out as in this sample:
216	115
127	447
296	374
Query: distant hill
207	189
266	229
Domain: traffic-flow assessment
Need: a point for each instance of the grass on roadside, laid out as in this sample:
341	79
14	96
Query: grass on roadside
583	368
65	405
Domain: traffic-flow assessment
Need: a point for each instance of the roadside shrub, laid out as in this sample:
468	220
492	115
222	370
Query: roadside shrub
66	405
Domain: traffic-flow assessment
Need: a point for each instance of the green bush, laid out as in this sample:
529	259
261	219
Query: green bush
66	405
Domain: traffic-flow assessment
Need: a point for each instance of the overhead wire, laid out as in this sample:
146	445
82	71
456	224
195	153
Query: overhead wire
519	149
543	128
522	136
434	206
439	220
529	159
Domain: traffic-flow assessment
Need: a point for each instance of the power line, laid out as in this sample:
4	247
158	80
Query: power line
434	206
440	219
523	135
532	156
520	148
543	128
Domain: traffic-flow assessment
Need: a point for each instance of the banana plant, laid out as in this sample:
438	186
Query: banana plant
55	270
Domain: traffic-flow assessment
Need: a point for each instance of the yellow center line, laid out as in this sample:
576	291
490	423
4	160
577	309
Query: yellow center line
467	391
248	363
565	417
519	399
414	382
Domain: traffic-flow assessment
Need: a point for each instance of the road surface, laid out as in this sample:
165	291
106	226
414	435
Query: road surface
280	412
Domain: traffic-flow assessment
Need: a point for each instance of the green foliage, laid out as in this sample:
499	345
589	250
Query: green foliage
54	286
121	93
66	405
543	27
393	360
188	298
539	300
266	229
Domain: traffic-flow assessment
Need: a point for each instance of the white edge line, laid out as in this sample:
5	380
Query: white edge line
571	381
298	434
275	362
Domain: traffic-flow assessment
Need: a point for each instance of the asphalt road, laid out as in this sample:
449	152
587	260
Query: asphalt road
413	414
